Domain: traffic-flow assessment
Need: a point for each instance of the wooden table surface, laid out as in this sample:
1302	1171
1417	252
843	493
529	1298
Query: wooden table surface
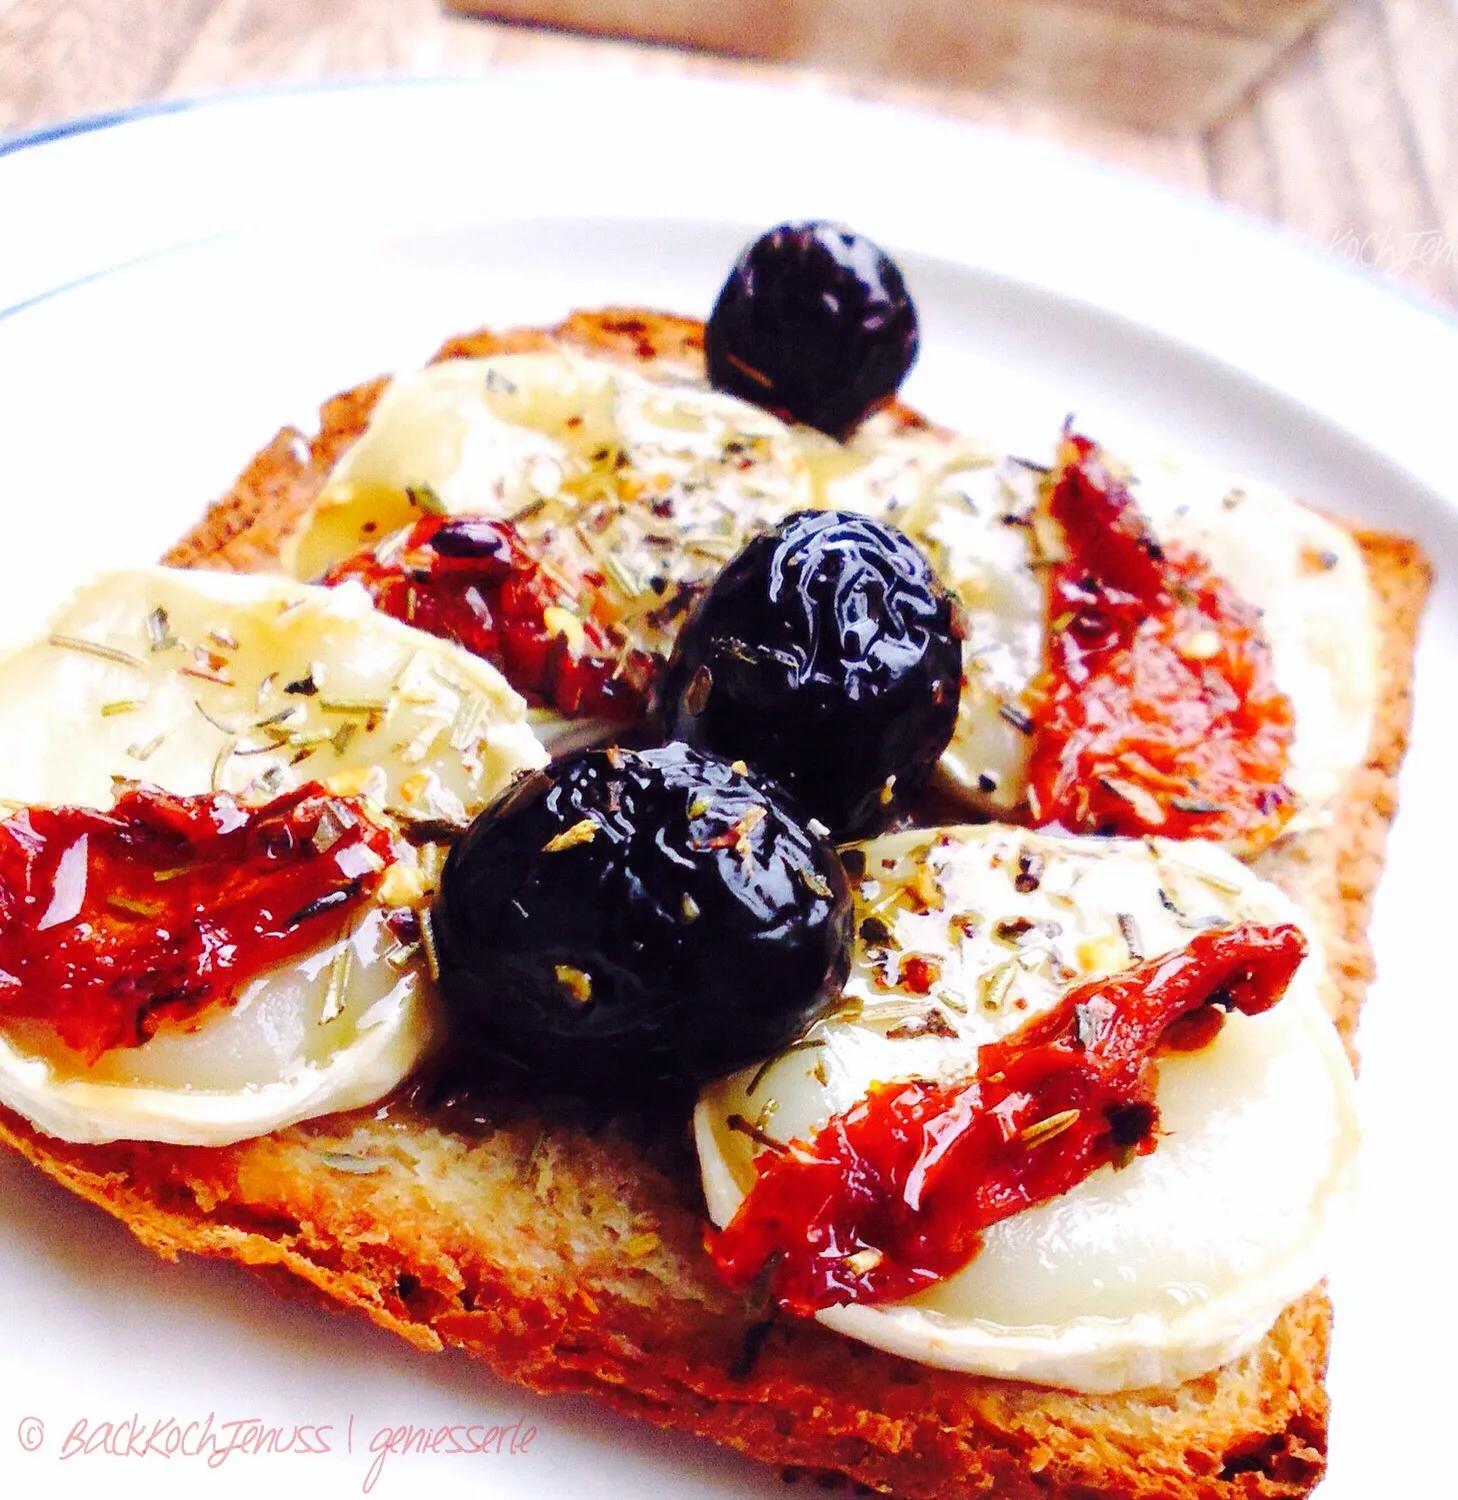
1352	139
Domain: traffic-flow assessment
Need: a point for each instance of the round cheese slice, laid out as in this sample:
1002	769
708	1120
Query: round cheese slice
975	514
209	681
631	493
520	435
1143	1276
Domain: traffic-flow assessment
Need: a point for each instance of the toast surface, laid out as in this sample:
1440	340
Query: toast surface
567	1254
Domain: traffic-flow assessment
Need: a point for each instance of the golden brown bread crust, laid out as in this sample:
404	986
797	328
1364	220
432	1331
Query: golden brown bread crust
1333	871
242	531
570	1259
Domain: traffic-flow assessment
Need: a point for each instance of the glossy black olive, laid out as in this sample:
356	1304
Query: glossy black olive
828	656
815	324
630	915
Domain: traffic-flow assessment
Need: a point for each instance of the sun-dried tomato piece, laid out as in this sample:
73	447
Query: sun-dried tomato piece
115	923
1159	712
896	1192
476	582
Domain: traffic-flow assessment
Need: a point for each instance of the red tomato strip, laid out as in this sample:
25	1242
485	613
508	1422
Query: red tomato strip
1159	712
474	581
112	923
894	1194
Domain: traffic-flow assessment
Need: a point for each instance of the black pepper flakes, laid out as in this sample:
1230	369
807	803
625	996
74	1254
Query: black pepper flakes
1030	872
875	933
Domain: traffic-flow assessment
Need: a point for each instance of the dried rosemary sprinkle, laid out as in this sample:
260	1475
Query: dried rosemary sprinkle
427	941
136	908
401	954
626	581
331	829
424	497
533	1155
360	707
159	630
1216	882
144	752
225	754
930	1023
293	714
1129	931
1011	714
97	649
1197	805
1044	1130
995	984
581	832
466	727
1144	803
339	971
307	738
527	511
759	1137
805	1044
358	1166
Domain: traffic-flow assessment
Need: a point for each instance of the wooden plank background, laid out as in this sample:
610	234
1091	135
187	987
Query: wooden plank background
1351	139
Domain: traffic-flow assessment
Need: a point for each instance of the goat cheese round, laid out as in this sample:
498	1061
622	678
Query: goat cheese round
1147	1275
202	682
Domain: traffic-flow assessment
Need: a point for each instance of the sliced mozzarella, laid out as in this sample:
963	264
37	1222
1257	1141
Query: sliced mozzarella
246	683
1306	576
1144	1276
179	678
632	493
559	431
975	514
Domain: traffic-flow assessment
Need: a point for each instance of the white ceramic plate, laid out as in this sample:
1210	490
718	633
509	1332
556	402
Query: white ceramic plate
181	282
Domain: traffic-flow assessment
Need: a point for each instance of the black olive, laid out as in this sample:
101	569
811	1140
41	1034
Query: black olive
628	915
815	324
828	656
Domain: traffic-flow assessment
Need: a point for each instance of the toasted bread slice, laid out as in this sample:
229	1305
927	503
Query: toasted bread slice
570	1258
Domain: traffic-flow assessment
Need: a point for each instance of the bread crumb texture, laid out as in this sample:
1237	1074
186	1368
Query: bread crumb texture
570	1258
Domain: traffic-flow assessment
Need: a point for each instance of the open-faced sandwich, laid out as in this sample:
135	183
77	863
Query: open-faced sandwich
901	1032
